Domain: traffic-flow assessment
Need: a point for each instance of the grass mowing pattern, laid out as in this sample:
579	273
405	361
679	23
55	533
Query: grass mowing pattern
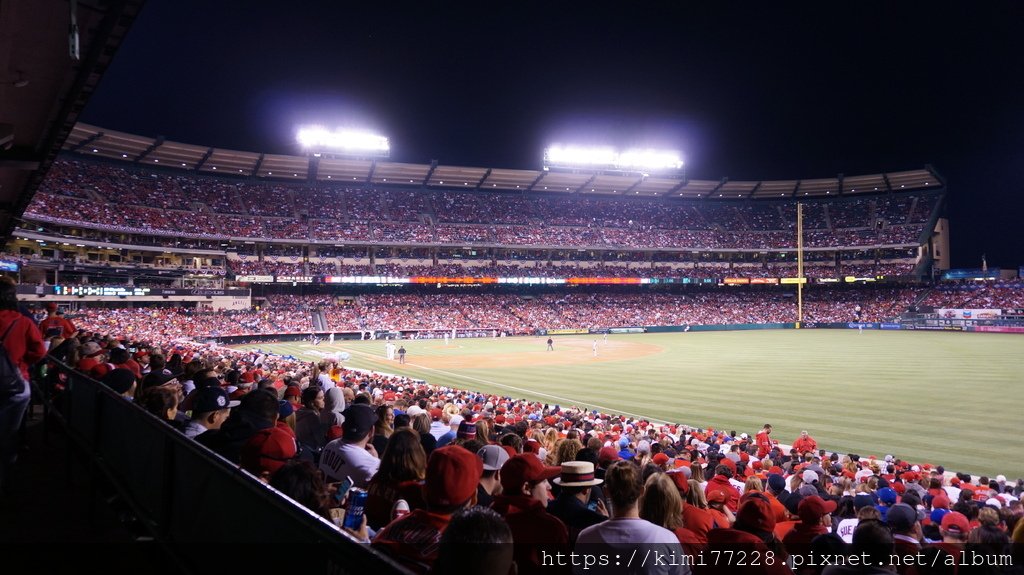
948	398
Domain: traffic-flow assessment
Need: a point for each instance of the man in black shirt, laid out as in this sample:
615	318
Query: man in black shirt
571	506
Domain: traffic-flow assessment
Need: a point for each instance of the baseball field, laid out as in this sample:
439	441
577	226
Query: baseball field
950	398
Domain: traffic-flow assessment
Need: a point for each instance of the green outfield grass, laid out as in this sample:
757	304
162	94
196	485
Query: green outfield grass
950	398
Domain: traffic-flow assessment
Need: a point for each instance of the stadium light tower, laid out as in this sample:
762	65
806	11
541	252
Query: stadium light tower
608	159
319	140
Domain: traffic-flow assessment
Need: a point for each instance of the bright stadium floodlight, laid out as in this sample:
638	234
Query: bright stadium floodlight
650	159
349	142
578	156
647	160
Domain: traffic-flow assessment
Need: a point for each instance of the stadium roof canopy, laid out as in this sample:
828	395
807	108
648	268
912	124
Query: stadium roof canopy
94	141
44	83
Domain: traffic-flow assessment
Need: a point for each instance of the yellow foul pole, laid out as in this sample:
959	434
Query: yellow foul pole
799	263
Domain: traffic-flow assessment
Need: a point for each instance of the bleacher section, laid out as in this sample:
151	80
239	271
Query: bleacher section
145	201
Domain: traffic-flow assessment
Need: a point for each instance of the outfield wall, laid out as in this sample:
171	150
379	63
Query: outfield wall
930	324
717	327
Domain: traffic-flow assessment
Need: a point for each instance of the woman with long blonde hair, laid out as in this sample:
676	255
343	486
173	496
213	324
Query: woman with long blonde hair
483	430
550	439
551	457
661	505
753	484
697	474
695	496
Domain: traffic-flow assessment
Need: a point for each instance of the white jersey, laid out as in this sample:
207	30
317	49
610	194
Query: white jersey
845	529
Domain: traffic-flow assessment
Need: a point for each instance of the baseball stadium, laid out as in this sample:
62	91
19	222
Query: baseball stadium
336	348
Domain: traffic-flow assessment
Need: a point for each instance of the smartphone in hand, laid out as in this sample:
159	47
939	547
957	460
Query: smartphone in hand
343	489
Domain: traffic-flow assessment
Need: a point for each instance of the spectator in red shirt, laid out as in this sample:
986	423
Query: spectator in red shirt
753	534
805	443
121	359
56	324
414	539
815	519
24	346
91	355
523	503
720	482
763	442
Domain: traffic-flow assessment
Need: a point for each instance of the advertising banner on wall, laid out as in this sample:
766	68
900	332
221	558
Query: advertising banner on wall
953	313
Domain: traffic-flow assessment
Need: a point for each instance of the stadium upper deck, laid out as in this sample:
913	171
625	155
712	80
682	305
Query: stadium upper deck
320	203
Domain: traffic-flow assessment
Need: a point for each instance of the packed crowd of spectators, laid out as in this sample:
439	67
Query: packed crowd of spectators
340	230
879	269
812	270
256	267
462	481
385	232
137	201
169	323
514	314
462	234
517	314
973	295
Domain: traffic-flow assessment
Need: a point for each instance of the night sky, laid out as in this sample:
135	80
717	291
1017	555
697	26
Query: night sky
773	91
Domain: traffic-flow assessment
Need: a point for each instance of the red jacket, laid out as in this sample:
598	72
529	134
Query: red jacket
132	366
24	344
534	531
698	521
414	539
721	483
802	445
798	541
757	559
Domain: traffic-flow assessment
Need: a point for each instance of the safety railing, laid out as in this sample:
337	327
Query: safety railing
207	513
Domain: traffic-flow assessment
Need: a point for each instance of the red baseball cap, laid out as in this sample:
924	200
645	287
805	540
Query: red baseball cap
680	481
956	522
453	473
525	468
607	455
717	496
755	514
268	450
730	464
813	508
660	459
